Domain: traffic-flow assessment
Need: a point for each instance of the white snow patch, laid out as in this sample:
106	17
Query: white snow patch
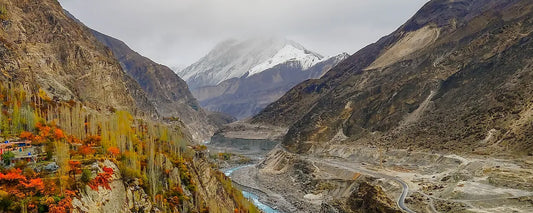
285	54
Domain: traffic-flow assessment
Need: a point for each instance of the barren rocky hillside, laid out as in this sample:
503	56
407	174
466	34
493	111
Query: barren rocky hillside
456	77
167	92
42	47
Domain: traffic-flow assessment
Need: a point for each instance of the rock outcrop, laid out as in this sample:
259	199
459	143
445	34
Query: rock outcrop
367	198
119	198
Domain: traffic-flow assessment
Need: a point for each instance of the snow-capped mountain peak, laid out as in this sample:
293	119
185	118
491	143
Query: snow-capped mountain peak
235	59
288	53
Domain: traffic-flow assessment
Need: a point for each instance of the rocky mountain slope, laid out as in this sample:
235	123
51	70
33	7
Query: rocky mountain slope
43	48
240	78
456	77
168	93
91	127
246	96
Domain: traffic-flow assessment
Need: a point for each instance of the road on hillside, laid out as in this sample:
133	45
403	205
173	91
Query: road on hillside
358	168
401	199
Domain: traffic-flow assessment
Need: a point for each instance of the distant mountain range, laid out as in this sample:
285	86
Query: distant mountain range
240	78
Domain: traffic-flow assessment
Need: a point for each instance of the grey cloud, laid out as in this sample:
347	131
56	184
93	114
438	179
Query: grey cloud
178	32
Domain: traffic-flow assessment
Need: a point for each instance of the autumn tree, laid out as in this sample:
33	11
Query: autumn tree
64	205
20	186
75	168
58	134
113	151
93	140
71	139
86	150
25	135
102	179
62	160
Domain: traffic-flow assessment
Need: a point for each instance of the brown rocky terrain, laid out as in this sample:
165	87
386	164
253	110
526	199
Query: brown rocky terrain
43	48
439	111
455	78
168	93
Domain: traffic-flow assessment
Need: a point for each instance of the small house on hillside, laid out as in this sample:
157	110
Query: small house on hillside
22	150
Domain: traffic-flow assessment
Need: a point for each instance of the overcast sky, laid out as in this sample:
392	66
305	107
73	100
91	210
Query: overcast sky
179	32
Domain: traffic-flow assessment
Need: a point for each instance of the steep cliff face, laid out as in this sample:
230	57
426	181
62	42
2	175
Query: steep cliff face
165	90
457	76
42	47
119	198
129	196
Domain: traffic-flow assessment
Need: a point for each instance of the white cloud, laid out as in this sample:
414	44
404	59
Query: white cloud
178	32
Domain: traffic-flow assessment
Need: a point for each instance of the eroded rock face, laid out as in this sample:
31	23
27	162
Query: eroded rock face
119	199
367	198
471	74
370	198
131	197
43	48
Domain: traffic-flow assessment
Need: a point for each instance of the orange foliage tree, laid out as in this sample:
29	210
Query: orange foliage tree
75	167
64	205
46	133
102	179
114	151
20	186
86	150
73	140
93	140
58	134
25	135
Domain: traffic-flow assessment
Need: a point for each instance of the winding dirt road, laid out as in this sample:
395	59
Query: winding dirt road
357	167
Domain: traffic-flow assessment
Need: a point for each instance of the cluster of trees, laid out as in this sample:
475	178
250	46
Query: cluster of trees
75	136
243	205
25	190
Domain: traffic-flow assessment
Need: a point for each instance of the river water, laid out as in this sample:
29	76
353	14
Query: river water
251	196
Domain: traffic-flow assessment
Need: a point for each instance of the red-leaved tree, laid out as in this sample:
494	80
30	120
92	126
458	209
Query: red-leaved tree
102	179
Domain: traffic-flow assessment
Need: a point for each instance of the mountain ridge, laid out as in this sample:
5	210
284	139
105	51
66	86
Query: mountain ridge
67	66
246	96
168	93
234	59
353	103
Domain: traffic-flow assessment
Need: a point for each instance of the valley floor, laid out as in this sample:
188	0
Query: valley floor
433	182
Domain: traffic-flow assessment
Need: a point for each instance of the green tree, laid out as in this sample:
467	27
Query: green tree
7	157
86	176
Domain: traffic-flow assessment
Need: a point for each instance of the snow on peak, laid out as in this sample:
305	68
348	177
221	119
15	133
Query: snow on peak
235	59
288	53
